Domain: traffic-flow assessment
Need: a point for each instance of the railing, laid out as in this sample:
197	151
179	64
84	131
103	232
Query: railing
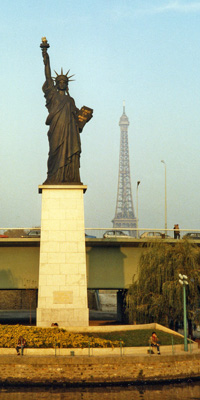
90	349
99	232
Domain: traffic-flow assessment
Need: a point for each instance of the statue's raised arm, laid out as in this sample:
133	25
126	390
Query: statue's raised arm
44	46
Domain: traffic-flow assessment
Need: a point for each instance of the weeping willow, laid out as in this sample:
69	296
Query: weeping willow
156	295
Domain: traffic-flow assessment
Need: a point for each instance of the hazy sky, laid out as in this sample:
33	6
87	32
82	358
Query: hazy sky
146	52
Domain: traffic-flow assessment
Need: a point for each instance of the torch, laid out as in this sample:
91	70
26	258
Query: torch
44	45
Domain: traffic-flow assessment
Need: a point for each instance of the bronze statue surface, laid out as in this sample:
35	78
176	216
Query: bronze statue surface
65	122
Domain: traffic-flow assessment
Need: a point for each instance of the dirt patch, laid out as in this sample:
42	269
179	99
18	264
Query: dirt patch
102	323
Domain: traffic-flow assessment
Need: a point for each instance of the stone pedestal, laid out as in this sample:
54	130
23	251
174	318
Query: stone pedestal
62	295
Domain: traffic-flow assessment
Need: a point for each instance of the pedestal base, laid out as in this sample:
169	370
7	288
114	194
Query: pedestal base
64	318
62	295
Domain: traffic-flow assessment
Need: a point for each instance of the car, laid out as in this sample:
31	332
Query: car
3	236
35	233
154	235
116	234
89	236
192	236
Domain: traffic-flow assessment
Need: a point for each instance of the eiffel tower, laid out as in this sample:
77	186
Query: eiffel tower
124	213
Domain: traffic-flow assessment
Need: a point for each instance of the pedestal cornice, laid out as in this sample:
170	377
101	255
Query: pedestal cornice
68	187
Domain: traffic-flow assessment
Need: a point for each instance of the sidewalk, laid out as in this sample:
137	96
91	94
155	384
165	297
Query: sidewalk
104	352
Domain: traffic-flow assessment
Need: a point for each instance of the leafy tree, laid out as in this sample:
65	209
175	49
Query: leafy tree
18	232
156	295
15	233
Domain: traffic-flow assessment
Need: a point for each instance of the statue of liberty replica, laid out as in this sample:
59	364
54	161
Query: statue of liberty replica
65	122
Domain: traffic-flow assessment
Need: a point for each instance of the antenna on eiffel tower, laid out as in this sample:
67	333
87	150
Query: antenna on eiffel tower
124	107
124	212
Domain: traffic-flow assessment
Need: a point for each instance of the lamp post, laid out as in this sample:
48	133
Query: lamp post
183	281
162	161
138	182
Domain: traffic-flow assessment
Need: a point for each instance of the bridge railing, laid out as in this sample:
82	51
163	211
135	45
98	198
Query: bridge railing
99	232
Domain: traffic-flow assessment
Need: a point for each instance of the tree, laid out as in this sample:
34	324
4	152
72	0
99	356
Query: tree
18	232
15	233
156	295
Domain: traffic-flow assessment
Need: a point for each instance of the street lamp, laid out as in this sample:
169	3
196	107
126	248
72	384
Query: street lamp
183	281
162	161
138	182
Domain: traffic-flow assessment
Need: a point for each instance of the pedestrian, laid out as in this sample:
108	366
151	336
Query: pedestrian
154	342
176	231
20	345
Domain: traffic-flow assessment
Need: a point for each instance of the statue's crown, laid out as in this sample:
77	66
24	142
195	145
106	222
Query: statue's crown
63	77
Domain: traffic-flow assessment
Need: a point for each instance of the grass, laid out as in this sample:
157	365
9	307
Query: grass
137	338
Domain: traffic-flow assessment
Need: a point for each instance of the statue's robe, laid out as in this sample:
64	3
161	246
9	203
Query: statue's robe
63	135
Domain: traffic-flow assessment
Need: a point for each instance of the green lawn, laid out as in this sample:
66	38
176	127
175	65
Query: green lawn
134	338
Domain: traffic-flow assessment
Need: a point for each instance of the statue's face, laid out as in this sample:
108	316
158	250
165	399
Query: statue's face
61	84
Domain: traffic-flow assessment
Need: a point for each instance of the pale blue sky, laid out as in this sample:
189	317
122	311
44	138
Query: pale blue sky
145	52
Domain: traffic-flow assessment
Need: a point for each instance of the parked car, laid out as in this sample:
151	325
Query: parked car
3	236
116	234
192	236
154	235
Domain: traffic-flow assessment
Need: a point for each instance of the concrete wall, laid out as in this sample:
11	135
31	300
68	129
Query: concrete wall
19	267
18	299
71	371
112	267
109	266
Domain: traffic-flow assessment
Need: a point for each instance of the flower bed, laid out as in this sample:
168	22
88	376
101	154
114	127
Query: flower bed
50	337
